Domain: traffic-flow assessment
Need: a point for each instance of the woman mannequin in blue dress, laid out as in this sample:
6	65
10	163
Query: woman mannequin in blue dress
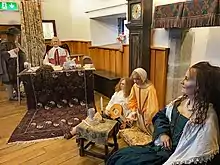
187	130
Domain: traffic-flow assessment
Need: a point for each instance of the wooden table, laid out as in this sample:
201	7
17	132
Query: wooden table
76	85
98	134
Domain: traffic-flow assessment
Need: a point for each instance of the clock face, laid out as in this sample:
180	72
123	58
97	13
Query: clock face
136	11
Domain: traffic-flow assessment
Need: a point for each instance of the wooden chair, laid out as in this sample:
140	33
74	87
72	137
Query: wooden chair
86	60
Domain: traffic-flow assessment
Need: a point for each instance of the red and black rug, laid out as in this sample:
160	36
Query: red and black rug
46	124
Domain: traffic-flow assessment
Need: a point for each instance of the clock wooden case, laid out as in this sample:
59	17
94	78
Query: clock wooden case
139	25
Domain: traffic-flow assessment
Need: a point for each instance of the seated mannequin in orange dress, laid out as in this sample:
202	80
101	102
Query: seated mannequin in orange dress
143	104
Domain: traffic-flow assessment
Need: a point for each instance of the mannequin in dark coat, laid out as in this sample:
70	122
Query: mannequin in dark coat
9	51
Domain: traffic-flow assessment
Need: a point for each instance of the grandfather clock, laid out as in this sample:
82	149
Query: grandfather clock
139	25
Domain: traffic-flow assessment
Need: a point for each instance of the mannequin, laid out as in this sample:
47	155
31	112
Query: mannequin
10	50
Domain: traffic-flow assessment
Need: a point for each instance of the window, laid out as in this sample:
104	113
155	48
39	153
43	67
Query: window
121	25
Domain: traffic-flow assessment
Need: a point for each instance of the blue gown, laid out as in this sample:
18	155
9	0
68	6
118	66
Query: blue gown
151	154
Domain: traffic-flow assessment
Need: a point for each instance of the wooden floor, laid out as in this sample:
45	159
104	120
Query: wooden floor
51	152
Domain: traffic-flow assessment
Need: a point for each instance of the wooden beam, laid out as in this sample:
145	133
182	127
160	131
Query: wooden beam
147	21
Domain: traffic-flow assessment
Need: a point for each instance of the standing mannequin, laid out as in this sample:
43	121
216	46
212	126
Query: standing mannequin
9	51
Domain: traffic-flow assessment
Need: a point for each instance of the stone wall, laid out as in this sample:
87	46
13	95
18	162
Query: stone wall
180	42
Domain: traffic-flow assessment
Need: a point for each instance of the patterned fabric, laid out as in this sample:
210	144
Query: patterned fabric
201	13
168	16
48	88
45	124
32	31
134	136
54	97
99	133
188	14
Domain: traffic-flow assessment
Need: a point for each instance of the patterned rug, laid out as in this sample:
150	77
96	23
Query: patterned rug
46	124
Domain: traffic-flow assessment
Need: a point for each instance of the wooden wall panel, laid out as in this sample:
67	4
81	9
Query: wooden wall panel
152	68
125	60
112	61
101	54
107	59
118	63
158	72
76	47
95	58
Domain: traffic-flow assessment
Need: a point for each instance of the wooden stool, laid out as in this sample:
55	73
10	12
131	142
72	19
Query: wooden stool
98	134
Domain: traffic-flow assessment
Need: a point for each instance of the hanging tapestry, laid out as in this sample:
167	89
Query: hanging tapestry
168	16
199	13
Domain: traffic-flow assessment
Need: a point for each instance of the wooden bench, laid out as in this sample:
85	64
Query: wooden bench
105	82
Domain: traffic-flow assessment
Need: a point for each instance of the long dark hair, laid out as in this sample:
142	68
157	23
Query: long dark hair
127	88
207	90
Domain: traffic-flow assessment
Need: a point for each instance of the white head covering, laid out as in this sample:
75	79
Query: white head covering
142	73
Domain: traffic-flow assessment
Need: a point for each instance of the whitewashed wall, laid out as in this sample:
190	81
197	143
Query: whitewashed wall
104	30
103	23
